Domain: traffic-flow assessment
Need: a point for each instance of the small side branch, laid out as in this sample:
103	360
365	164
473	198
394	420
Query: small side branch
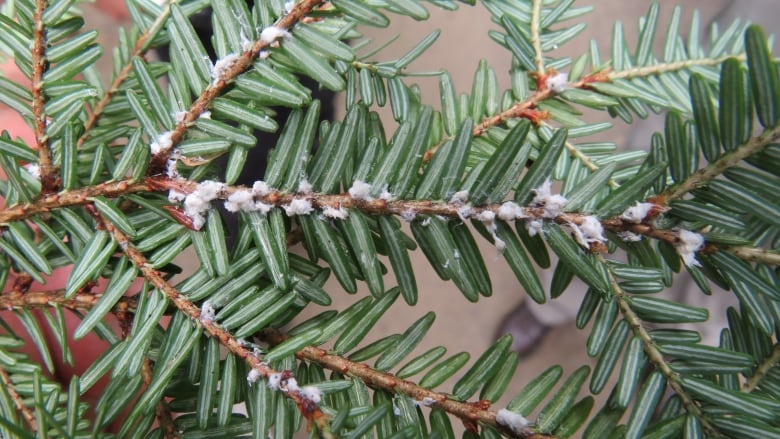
141	46
54	298
536	41
728	160
769	362
240	65
467	411
39	65
161	412
653	354
308	409
18	399
752	254
641	72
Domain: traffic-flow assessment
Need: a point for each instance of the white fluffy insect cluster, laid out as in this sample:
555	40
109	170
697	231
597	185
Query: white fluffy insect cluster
511	420
335	213
298	206
33	170
207	312
588	232
488	217
311	393
630	236
688	245
198	202
360	190
243	200
288	6
222	66
558	82
409	215
261	188
253	376
510	211
273	33
305	187
426	402
551	203
459	198
274	381
385	194
534	227
636	214
162	143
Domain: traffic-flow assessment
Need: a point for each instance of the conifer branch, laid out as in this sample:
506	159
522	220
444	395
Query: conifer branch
161	412
657	69
39	66
139	50
239	65
653	354
763	368
469	412
728	160
18	400
45	299
753	254
536	41
308	408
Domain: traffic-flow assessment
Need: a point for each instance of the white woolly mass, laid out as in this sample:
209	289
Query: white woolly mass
223	65
464	212
292	385
311	393
305	187
385	195
162	143
408	215
288	6
558	82
332	212
207	312
260	188
534	227
592	230
511	420
174	196
688	245
630	236
298	206
253	376
638	213
273	33
360	190
170	166
178	116
487	217
205	115
240	200
199	201
274	381
459	197
510	211
33	170
551	203
264	54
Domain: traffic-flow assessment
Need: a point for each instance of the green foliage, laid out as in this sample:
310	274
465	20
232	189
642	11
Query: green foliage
89	196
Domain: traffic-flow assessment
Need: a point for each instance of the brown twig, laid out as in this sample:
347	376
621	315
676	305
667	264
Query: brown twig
161	411
70	198
467	411
769	362
79	301
310	411
39	66
240	65
18	399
